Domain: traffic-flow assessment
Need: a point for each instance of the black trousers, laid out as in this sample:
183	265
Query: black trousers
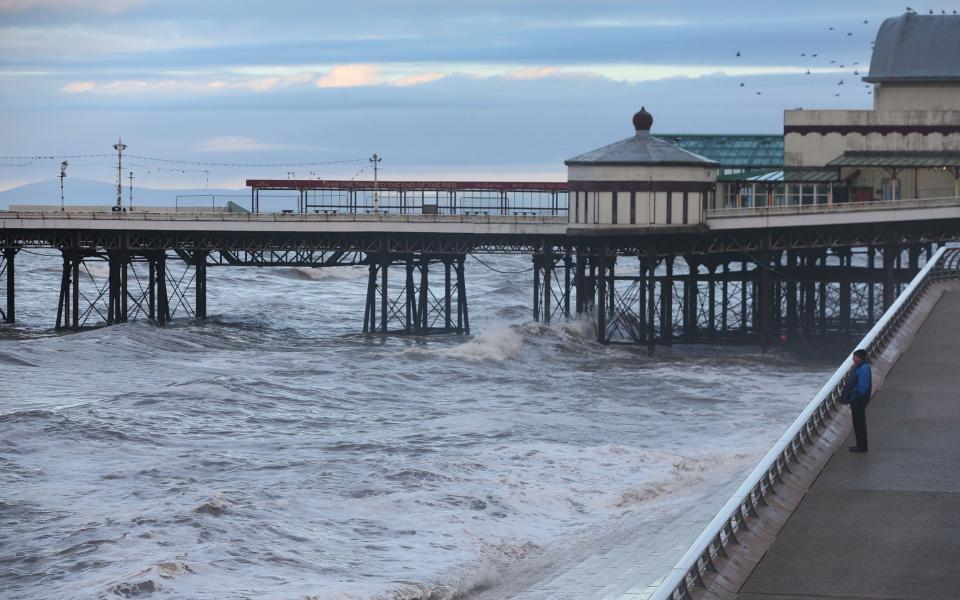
859	409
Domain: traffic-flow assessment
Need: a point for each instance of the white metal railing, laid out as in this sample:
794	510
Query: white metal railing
798	209
742	506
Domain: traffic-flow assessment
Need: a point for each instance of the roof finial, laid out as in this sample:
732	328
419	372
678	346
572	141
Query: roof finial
642	121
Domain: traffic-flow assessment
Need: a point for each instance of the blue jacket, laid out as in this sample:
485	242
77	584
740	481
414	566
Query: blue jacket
860	384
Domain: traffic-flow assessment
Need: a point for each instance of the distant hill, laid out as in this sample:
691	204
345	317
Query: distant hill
88	192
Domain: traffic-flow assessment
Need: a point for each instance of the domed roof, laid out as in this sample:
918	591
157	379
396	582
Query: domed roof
915	47
642	121
642	149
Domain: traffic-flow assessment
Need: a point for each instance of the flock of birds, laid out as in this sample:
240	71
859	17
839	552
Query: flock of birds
854	67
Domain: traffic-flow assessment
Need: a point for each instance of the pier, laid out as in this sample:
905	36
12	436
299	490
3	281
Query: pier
758	275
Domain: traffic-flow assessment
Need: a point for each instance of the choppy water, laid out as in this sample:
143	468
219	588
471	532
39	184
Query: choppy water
274	452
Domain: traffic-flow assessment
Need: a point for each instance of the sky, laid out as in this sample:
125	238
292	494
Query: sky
499	89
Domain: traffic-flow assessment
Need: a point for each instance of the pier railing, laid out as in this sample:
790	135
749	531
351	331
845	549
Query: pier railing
201	214
742	507
837	207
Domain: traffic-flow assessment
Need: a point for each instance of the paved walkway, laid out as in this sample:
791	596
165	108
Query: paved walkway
886	524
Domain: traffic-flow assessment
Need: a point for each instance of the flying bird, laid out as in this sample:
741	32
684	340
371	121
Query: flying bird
833	62
856	72
865	21
808	71
759	93
742	84
837	95
738	53
803	54
849	33
816	55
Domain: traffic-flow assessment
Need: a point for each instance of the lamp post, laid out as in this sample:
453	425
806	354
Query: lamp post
119	147
63	173
375	160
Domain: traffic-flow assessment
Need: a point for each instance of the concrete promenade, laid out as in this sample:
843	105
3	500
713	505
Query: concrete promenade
886	524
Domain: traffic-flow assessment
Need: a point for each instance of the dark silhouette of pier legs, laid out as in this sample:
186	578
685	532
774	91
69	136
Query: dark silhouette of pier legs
127	293
762	296
551	292
415	307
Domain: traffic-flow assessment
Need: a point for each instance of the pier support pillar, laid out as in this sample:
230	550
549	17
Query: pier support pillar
846	257
666	304
7	268
791	292
691	293
890	255
117	293
600	264
200	284
158	266
68	308
651	320
764	296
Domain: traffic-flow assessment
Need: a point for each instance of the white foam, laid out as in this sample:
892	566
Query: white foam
326	273
498	343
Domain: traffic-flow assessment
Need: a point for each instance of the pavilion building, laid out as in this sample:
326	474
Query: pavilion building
640	181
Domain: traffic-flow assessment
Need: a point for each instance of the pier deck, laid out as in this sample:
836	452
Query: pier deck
884	525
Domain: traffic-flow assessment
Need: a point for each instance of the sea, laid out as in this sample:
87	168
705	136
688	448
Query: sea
273	451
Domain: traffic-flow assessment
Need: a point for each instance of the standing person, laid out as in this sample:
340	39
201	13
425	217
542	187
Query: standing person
858	396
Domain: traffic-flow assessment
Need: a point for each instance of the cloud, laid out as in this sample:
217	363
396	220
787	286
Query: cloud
530	72
65	43
350	76
196	86
99	6
236	143
418	79
79	86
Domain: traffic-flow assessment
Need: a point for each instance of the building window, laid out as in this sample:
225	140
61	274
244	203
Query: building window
596	208
614	207
576	207
732	193
633	208
890	189
760	195
822	192
686	208
780	195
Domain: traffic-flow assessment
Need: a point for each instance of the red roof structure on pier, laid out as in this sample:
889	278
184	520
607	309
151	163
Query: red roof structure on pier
350	184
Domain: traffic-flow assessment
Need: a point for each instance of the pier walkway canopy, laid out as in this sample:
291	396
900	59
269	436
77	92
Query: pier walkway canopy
901	174
476	198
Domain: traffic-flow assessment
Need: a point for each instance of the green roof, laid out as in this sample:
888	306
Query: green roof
733	151
897	159
799	175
